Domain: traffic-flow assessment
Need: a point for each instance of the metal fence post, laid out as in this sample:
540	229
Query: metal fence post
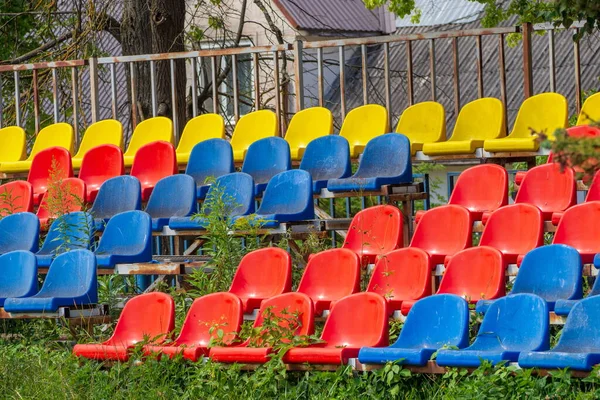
94	88
527	61
299	75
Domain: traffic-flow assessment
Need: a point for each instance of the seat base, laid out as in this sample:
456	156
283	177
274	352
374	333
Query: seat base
511	144
378	355
452	147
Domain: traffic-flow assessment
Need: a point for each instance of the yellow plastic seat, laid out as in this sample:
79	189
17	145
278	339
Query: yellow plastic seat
13	144
108	131
590	112
544	112
423	123
477	121
363	124
55	135
250	128
148	131
305	126
199	129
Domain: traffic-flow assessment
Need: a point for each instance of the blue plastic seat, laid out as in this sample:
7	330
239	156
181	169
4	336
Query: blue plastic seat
432	323
209	159
513	324
173	196
288	198
579	344
552	272
563	307
20	231
326	158
116	195
18	275
237	190
386	161
266	158
68	232
71	282
127	239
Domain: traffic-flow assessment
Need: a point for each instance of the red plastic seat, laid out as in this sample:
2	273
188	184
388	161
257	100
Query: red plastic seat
514	230
148	316
329	276
579	228
216	311
153	162
483	188
41	170
284	306
71	197
548	188
358	320
402	275
443	231
15	197
375	231
579	132
593	193
262	274
100	164
475	274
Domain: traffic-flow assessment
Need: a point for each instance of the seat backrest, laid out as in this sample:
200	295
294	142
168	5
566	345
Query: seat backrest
581	332
475	274
517	322
148	131
263	273
173	196
72	274
203	127
118	194
514	229
574	232
266	158
292	308
327	157
18	275
216	311
237	192
403	274
377	229
13	146
307	125
67	197
129	232
154	161
108	131
210	158
552	272
544	113
69	232
444	230
423	122
252	127
593	193
357	320
480	119
147	316
55	135
548	188
435	322
590	112
581	131
289	192
16	196
101	163
364	123
331	274
482	188
20	231
386	156
51	162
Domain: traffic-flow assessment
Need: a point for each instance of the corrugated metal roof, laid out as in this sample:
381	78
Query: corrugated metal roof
442	12
330	15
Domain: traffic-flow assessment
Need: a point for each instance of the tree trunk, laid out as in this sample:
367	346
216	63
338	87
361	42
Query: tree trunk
167	18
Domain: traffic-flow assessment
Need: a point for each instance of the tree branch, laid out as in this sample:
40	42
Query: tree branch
46	46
